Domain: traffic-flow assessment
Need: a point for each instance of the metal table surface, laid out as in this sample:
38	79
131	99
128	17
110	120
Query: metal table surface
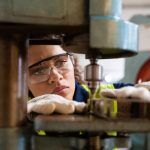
89	123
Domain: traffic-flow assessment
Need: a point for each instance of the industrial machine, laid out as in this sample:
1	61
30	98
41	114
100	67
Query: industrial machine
92	27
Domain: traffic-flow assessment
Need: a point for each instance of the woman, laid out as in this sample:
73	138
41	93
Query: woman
51	71
49	59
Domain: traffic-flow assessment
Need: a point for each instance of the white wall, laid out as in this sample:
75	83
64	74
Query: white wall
113	69
140	9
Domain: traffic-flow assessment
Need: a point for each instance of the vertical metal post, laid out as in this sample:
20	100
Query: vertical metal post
13	89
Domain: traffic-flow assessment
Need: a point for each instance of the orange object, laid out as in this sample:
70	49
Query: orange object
144	72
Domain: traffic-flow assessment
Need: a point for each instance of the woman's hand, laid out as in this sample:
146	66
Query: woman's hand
144	84
139	93
50	103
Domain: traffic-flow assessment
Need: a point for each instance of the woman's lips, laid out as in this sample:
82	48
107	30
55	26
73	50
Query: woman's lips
60	89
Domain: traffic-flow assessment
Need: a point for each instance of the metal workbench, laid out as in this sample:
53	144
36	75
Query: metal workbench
89	123
69	132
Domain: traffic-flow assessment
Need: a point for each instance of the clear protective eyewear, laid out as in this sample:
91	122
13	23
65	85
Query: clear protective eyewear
40	71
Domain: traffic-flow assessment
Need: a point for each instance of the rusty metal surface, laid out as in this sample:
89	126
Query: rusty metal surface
13	89
89	123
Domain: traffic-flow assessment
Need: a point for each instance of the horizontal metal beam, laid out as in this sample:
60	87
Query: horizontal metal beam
88	123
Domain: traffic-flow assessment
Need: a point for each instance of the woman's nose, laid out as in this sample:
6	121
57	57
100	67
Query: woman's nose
55	76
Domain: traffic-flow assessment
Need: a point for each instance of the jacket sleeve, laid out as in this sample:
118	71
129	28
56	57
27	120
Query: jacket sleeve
120	85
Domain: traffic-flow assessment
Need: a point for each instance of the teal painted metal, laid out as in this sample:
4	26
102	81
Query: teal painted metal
111	36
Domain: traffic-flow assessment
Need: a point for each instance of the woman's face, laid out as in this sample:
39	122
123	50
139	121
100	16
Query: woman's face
58	82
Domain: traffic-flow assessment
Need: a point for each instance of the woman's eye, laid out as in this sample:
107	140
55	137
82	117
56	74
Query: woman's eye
60	63
36	73
39	71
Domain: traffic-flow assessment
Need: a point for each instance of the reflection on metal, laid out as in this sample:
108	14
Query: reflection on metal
93	74
127	108
120	143
13	89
